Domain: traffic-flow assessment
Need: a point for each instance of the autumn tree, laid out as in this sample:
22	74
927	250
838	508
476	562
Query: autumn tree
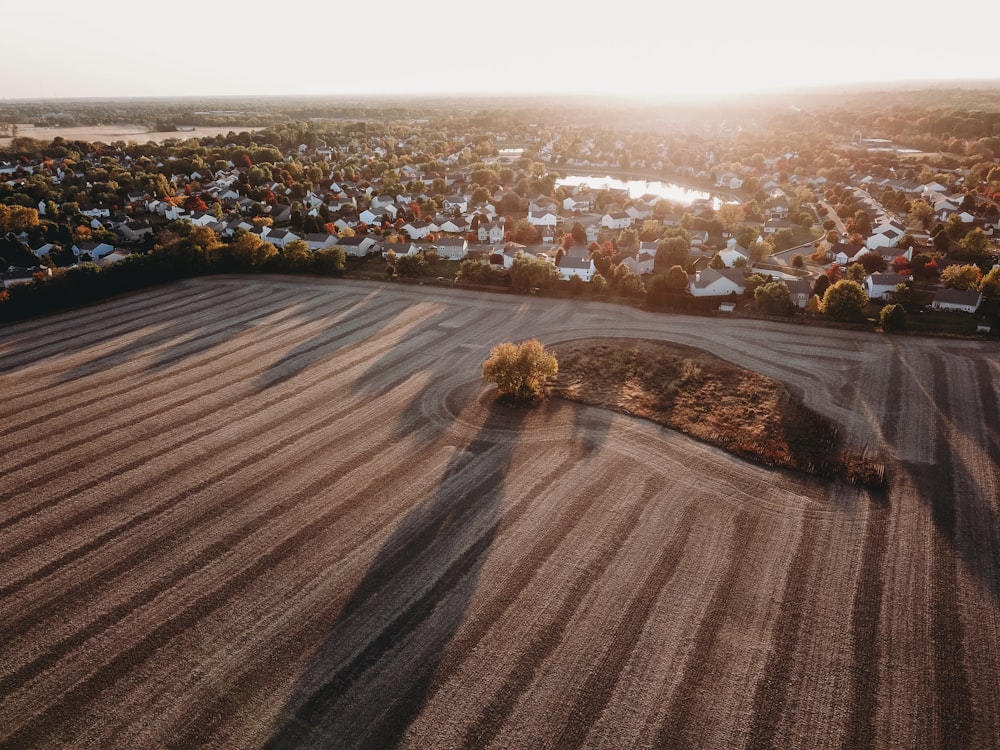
990	284
845	300
528	274
672	251
772	298
963	277
519	371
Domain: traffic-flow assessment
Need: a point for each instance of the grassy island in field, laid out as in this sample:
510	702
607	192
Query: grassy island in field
708	398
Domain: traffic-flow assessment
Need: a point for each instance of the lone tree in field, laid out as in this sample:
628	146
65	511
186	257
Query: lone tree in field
520	370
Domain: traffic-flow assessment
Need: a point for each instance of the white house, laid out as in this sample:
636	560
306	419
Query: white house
577	203
454	226
881	285
281	237
721	283
799	291
616	220
357	246
542	218
956	300
570	266
320	240
733	253
418	230
452	248
641	264
398	248
491	232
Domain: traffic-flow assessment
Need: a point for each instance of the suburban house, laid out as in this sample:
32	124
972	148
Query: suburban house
616	220
320	240
956	300
577	203
357	246
639	211
542	218
642	263
570	266
454	226
698	237
799	291
721	283
491	232
14	276
881	285
96	250
281	237
398	248
418	230
452	248
733	253
887	234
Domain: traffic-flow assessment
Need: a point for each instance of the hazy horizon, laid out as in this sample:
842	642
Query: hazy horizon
443	49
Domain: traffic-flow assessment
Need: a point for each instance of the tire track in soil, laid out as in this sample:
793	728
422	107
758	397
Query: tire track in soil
866	615
184	440
298	727
226	704
240	356
679	720
392	726
108	329
135	364
494	715
88	588
599	687
269	449
186	322
953	707
771	694
42	725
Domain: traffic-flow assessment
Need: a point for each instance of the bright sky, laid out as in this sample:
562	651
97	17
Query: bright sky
122	48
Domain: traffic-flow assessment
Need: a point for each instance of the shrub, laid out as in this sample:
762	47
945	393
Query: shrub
520	370
893	318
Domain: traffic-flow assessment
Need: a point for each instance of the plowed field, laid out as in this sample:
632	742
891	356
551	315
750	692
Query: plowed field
270	513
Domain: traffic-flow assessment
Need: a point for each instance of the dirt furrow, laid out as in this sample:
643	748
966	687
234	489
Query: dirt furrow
548	634
681	719
604	675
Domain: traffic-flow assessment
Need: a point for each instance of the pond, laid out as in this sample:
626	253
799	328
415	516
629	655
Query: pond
636	188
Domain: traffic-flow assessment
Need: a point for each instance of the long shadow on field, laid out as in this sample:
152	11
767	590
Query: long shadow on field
369	679
342	327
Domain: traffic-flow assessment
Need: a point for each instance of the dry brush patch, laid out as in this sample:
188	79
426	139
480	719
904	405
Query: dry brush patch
708	398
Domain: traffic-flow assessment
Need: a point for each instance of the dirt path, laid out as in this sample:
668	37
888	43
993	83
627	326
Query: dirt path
286	513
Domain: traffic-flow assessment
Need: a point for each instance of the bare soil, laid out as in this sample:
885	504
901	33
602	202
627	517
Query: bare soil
270	513
704	396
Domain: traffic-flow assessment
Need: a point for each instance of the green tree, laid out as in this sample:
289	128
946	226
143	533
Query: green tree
902	295
519	371
845	300
672	251
630	285
410	265
528	274
330	261
892	318
856	272
974	248
772	298
990	285
964	277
